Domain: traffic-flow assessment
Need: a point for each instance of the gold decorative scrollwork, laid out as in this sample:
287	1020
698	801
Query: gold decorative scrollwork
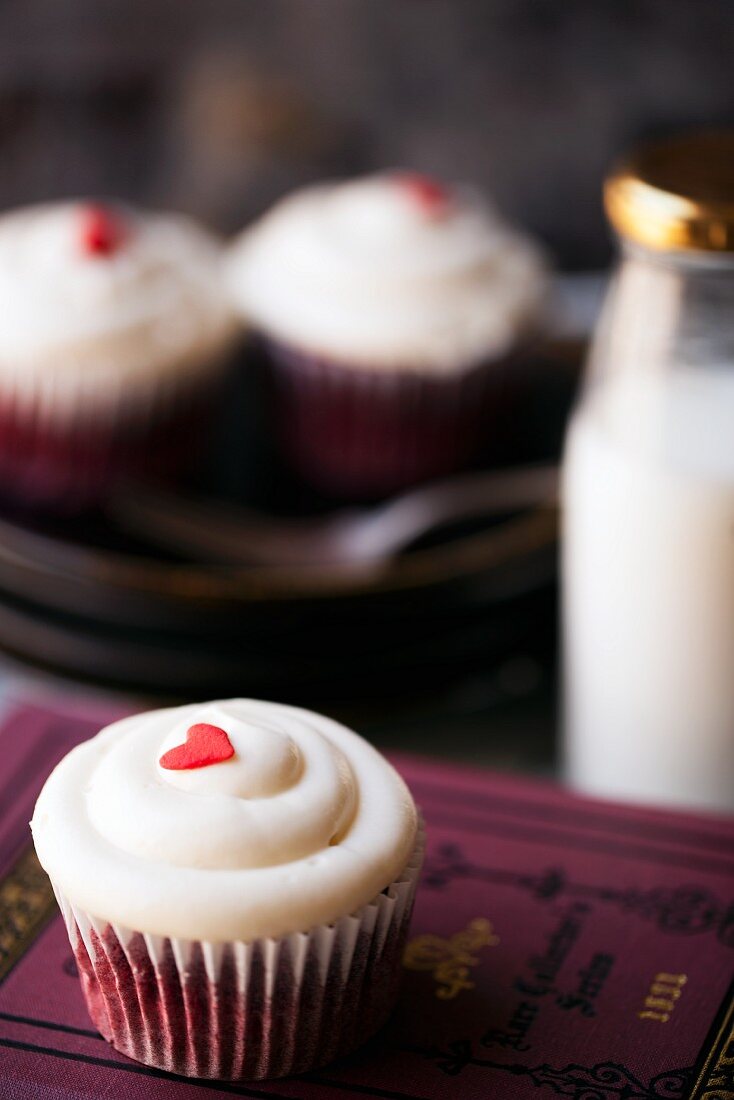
716	1081
26	905
450	960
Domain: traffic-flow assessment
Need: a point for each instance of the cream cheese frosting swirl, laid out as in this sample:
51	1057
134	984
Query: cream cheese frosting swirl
388	271
304	823
87	323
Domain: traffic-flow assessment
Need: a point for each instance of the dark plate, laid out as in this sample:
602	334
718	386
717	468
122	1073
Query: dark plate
87	601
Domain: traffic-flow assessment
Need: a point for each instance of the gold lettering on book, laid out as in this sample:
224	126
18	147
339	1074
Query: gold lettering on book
665	991
450	960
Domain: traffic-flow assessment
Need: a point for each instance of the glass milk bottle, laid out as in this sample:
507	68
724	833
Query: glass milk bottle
648	493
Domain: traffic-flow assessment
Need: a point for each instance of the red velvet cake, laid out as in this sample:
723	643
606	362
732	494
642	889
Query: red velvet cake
237	880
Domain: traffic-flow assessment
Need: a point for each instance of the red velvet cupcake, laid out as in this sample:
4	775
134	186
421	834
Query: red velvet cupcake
392	308
237	880
114	326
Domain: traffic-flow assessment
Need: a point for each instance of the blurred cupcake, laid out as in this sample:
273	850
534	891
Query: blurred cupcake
389	306
237	880
113	328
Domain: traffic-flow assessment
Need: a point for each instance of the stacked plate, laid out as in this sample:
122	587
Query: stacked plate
145	597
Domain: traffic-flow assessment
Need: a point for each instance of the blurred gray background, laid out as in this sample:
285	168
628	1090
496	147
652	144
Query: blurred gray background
218	106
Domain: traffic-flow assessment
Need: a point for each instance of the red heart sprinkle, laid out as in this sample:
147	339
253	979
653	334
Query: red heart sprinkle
102	231
204	745
431	195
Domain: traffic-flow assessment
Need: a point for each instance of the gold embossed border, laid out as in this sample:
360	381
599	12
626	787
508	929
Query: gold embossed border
716	1080
27	904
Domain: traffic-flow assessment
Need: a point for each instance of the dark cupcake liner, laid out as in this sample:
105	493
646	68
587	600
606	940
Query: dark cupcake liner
367	432
64	465
244	1011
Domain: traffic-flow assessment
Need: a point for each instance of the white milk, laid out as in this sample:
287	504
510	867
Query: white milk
649	588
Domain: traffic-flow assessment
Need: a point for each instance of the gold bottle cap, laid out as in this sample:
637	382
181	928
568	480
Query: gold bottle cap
676	194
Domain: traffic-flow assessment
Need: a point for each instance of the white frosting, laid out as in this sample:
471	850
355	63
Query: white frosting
304	824
83	327
366	272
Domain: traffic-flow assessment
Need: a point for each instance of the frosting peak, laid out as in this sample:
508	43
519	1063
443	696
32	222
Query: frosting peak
266	760
284	794
367	217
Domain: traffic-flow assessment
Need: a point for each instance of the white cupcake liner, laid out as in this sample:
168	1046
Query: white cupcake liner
244	1011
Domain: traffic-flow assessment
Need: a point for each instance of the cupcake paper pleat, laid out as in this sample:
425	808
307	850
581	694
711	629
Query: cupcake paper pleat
243	1011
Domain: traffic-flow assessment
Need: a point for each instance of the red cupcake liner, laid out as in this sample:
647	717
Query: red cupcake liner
363	432
245	1011
66	465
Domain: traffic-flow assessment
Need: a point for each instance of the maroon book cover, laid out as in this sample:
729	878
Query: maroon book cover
560	947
